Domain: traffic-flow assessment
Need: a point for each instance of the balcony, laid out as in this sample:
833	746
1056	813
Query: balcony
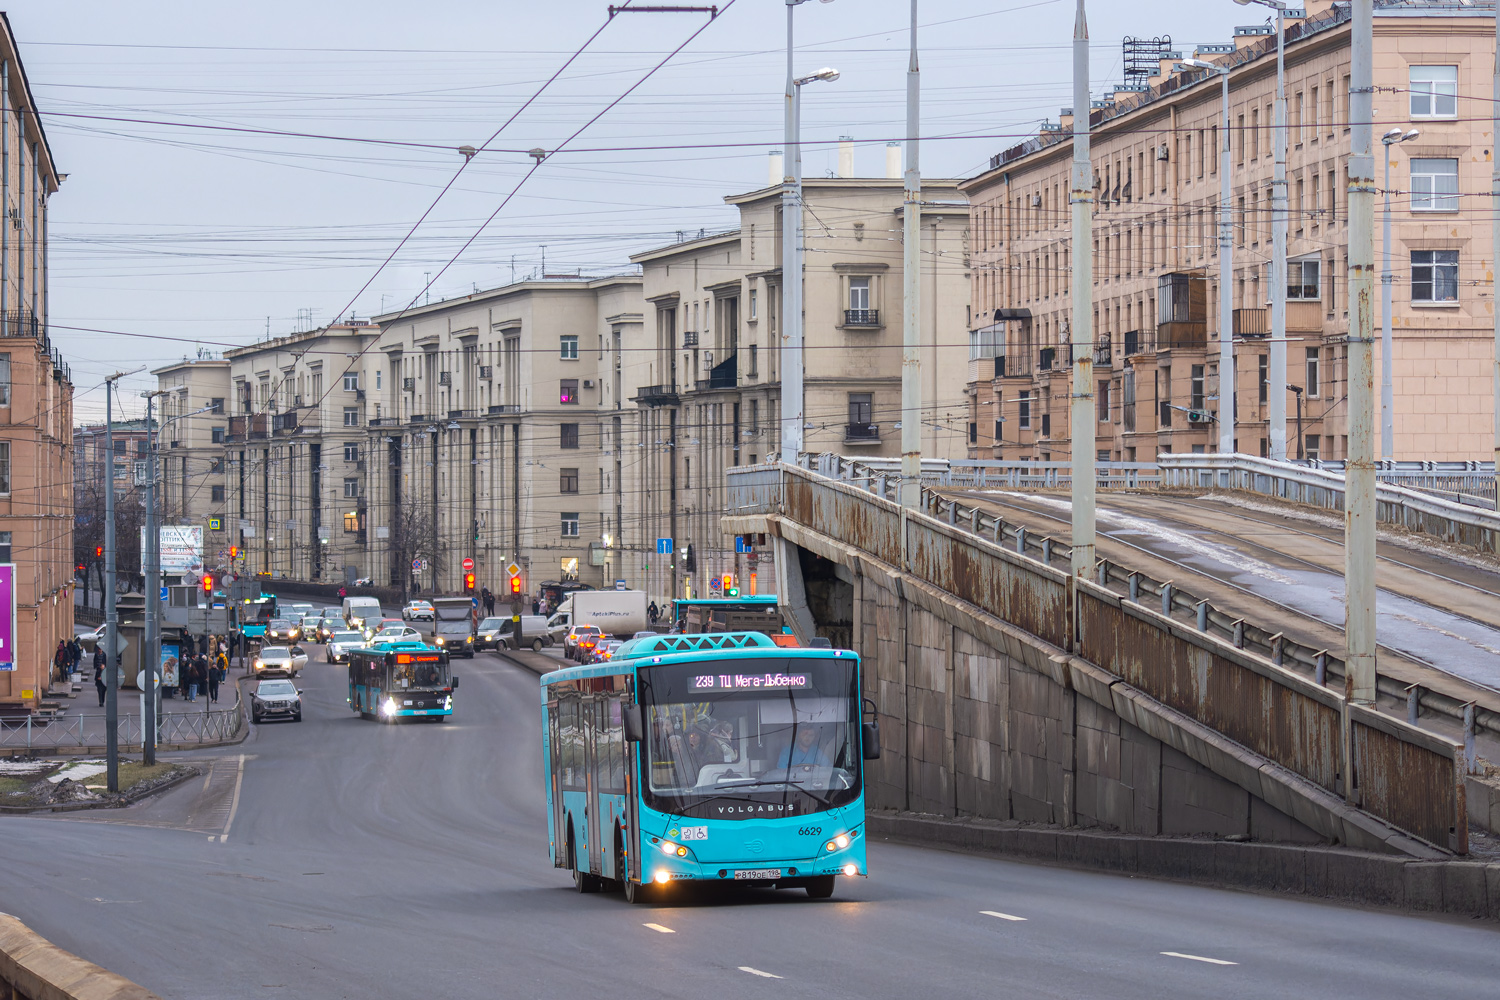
657	395
419	418
1181	335
462	414
247	428
284	423
1251	323
1104	353
861	433
689	338
724	375
861	317
21	323
500	408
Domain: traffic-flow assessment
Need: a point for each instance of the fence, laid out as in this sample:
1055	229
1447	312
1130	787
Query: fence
86	733
1212	667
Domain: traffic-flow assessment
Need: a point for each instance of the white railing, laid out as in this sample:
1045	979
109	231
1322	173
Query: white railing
985	474
88	731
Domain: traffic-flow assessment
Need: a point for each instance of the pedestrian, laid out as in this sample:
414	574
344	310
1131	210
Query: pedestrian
653	613
216	675
99	674
60	660
75	654
185	668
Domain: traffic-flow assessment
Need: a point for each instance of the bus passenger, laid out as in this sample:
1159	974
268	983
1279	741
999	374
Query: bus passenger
805	750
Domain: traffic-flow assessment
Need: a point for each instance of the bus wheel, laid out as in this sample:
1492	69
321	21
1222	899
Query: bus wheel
820	887
636	892
583	881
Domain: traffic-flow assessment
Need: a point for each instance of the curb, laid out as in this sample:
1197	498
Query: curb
32	966
1457	888
527	660
129	799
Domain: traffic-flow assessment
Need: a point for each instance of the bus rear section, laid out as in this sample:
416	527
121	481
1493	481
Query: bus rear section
713	758
390	684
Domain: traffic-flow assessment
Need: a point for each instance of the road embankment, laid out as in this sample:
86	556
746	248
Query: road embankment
36	969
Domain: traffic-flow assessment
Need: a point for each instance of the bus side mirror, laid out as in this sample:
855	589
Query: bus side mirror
454	681
871	739
630	718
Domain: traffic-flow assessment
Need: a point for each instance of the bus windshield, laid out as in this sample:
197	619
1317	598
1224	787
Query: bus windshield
426	673
730	738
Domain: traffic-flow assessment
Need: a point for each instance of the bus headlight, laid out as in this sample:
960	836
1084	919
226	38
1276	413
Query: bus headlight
851	869
661	878
388	707
838	843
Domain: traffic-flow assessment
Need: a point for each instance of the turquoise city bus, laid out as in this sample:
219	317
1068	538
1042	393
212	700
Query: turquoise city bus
396	680
707	758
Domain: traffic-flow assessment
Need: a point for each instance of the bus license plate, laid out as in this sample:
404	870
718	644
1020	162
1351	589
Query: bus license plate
758	873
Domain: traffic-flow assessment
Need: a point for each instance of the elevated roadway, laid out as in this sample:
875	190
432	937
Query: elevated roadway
341	858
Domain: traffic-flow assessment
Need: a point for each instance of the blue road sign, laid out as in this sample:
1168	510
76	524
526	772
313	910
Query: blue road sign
164	593
740	545
664	546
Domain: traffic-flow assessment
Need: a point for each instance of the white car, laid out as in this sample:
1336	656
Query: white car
337	649
402	633
287	660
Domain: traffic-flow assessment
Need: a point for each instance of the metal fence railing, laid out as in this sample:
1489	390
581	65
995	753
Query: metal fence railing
89	730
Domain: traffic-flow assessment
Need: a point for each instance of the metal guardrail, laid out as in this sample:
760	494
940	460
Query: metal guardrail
82	732
1227	673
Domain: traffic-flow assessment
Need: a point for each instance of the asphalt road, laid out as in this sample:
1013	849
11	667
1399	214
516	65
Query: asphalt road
341	858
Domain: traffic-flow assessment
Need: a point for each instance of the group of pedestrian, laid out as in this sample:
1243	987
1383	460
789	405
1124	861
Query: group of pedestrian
204	671
66	658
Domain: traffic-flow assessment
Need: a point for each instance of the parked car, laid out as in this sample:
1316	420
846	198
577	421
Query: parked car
580	640
287	660
276	698
282	630
417	611
339	644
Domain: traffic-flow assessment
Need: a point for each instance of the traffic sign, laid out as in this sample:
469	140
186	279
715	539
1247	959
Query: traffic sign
468	565
419	564
619	584
215	524
714	584
164	593
741	544
512	570
664	546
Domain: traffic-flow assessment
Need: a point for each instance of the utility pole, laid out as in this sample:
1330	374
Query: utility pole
1359	497
911	282
111	616
1082	199
791	272
151	651
1228	374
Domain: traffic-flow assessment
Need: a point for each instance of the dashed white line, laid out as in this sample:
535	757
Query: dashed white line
757	972
1198	958
234	807
1003	916
658	928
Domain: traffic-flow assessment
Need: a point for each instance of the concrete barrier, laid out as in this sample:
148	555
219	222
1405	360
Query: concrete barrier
33	968
1459	888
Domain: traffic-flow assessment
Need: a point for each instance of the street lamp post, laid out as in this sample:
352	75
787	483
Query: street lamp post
1387	396
1081	419
1227	372
1277	373
792	408
911	281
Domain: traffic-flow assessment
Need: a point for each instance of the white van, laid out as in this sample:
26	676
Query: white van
358	610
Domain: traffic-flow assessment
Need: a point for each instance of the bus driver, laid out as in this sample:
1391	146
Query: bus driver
805	750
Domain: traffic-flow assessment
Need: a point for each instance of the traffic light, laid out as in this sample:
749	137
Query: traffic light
728	582
469	582
234	551
98	552
208	584
515	586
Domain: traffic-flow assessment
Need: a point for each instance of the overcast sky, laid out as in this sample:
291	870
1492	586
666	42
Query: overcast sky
207	237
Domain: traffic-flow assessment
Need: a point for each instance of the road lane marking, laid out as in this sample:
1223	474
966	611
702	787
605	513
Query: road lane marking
658	928
757	972
1002	916
1198	958
234	806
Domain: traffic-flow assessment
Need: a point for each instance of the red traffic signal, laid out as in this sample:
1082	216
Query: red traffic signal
234	551
208	584
515	586
468	581
98	551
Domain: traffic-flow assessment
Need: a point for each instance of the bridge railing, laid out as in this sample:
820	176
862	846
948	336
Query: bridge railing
1226	673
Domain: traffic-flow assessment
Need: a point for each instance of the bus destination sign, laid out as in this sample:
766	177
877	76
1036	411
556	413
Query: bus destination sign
751	682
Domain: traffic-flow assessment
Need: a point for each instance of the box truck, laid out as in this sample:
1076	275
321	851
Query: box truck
618	613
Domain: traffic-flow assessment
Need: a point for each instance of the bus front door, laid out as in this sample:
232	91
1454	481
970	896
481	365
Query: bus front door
593	711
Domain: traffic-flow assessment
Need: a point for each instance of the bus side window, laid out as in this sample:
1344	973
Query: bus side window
608	747
571	736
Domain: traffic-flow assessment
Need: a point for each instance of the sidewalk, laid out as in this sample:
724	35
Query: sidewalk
537	663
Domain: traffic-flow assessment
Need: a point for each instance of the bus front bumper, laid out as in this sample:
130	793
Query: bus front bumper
663	862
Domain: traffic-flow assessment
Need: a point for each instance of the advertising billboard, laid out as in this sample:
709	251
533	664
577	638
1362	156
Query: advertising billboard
181	549
7	616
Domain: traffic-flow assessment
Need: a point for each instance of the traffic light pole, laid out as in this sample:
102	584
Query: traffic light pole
151	658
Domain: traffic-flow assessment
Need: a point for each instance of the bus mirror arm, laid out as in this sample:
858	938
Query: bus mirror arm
871	734
630	719
453	682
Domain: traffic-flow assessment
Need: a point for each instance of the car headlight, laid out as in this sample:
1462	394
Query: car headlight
259	664
439	640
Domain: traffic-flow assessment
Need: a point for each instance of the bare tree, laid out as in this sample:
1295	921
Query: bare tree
412	523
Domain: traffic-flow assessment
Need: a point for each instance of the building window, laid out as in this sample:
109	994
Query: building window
1023	410
1195	389
5	547
218	435
351	381
859	294
1434	275
973	432
570	524
1434	92
140	447
1302	280
351	416
216	494
567	481
567	392
4	379
754	303
1311	447
569	436
351	487
1103	401
1262	367
754	368
351	451
216	464
1434	185
216	405
999	426
1312	372
568	348
378	379
754	418
5	468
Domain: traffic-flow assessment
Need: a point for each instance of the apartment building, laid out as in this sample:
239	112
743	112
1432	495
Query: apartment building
711	399
92	458
36	406
193	418
1156	333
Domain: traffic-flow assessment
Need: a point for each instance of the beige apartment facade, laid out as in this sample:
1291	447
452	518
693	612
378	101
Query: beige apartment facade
36	404
1156	294
192	412
711	397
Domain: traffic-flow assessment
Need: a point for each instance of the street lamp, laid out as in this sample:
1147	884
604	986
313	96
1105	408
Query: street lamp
792	416
1387	402
1227	372
1277	374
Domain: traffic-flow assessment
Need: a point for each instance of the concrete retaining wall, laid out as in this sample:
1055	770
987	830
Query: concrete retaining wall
32	968
1461	888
